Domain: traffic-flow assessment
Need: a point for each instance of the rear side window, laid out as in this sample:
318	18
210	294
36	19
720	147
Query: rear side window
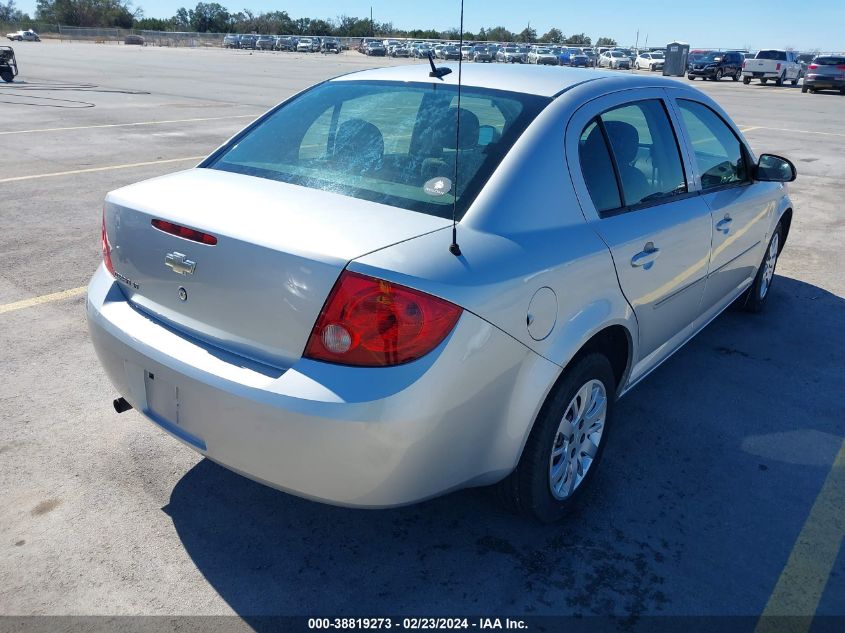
718	152
388	142
645	162
598	169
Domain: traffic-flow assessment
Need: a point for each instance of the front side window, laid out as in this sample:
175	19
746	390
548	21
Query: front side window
718	152
389	142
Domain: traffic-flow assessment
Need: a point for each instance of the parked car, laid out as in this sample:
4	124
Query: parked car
717	65
134	40
631	55
615	60
777	65
265	43
330	46
450	52
509	55
400	50
248	41
325	339
592	57
232	40
306	45
825	72
286	43
421	51
576	57
24	36
483	54
376	49
650	61
543	56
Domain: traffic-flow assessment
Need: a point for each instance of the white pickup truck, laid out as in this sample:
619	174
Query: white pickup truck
778	65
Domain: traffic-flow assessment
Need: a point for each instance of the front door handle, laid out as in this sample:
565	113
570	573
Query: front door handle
724	225
646	257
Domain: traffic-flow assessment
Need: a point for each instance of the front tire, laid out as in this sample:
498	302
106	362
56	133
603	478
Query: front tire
718	76
756	295
566	443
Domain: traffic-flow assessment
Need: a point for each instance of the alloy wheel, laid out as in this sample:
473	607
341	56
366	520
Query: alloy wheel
577	439
769	266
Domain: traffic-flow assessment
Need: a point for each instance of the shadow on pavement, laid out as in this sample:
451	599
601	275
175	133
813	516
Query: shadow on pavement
694	512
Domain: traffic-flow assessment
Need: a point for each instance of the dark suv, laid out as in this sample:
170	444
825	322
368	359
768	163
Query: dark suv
717	65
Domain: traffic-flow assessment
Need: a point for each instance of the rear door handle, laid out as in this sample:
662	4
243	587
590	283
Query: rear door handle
724	225
646	257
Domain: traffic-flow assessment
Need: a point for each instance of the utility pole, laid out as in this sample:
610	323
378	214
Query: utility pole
372	25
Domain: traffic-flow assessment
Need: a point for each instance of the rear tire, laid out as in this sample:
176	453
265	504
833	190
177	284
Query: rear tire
756	295
718	76
746	80
691	77
779	81
572	424
804	89
7	75
764	81
737	76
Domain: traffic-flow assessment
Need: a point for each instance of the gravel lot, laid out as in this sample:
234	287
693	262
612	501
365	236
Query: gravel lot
717	459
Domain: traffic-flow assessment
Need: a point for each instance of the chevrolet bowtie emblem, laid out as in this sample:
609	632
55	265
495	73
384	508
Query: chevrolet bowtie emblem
178	263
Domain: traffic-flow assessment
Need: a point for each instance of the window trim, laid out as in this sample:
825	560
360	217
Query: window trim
626	208
746	154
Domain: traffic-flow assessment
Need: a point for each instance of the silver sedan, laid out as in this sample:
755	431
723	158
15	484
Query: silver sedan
339	338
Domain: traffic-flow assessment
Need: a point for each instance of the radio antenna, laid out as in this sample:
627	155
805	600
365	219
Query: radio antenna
453	247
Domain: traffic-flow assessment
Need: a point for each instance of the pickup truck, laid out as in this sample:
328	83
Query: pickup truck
778	65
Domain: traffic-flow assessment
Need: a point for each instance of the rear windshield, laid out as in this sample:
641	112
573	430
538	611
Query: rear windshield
778	55
388	142
829	61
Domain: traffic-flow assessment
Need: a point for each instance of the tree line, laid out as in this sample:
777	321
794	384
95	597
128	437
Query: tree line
212	17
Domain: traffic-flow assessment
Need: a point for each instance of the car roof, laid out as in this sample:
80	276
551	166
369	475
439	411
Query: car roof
545	81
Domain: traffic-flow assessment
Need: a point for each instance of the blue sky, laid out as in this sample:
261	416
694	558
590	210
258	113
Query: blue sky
744	24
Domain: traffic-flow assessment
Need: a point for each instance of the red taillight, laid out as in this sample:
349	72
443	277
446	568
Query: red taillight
815	67
184	232
778	68
743	64
840	67
104	239
373	323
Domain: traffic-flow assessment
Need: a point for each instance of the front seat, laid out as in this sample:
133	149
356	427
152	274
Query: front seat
358	146
466	146
625	141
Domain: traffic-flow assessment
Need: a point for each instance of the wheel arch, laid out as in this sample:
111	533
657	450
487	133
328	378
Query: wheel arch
785	224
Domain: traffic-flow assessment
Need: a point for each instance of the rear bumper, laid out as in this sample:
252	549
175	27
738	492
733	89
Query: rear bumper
349	436
760	75
824	83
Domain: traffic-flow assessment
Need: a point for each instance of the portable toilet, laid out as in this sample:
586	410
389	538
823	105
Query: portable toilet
676	59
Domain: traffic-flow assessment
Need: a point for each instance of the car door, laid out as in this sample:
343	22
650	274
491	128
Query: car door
740	209
630	178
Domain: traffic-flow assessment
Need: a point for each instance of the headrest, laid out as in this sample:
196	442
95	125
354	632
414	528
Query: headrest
469	129
624	139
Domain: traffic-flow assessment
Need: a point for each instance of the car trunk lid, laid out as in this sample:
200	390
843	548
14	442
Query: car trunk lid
279	250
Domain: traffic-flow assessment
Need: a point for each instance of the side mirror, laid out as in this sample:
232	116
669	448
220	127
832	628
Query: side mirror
771	168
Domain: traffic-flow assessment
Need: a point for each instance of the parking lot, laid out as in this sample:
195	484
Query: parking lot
722	490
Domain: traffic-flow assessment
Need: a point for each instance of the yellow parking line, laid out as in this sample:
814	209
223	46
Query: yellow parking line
94	127
37	301
94	169
802	581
